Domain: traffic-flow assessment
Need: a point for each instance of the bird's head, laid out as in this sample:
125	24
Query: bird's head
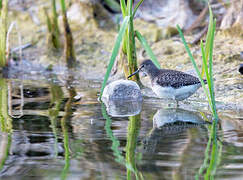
144	67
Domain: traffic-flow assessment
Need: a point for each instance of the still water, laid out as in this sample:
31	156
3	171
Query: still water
58	132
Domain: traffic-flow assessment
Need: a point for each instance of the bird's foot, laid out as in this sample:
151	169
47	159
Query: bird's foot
174	104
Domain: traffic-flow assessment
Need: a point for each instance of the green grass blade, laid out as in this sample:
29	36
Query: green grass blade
3	32
195	65
205	65
131	49
211	70
189	52
209	34
129	7
136	8
115	51
123	7
113	5
55	16
63	6
211	54
147	48
48	20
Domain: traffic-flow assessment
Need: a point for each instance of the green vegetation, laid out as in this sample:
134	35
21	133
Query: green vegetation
5	123
55	107
126	36
6	141
207	61
53	28
66	149
54	33
67	116
69	51
114	53
113	5
115	142
3	31
132	135
5	119
211	162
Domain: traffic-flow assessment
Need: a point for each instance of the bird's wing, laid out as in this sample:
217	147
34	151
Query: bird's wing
176	79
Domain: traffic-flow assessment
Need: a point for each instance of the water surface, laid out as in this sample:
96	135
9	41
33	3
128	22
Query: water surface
61	132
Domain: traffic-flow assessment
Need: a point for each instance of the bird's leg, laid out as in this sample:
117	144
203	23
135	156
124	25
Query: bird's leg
177	103
169	105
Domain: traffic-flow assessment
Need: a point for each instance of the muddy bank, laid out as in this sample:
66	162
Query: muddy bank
94	30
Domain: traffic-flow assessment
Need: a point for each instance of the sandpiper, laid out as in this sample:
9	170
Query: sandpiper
169	84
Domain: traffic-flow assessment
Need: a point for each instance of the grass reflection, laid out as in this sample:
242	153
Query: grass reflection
55	105
5	119
67	116
6	123
115	142
132	135
5	144
213	154
66	149
133	130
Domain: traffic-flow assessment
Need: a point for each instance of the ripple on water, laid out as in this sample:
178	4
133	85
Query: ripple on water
170	142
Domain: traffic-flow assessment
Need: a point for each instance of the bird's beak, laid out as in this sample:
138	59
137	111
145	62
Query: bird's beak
133	74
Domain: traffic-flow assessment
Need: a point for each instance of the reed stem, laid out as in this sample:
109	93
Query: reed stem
69	51
55	28
55	16
3	32
129	46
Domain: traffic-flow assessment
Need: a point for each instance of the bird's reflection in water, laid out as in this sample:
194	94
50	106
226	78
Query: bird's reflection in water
176	143
169	126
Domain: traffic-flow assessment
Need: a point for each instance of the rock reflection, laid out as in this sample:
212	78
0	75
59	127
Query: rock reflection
122	108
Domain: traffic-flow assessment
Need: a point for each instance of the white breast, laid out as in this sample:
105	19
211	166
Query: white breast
178	94
164	92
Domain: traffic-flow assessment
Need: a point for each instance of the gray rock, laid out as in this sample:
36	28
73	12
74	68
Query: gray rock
122	90
122	98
